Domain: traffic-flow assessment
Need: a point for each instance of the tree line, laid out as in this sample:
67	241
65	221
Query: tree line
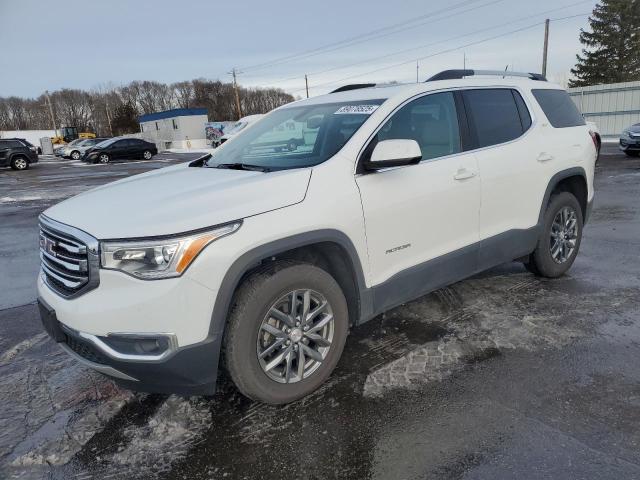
114	111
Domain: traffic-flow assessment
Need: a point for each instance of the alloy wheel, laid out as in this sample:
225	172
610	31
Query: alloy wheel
104	158
75	155
147	155
20	163
295	336
564	234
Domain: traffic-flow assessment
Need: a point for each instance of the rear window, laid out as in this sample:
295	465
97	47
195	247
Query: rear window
559	108
495	115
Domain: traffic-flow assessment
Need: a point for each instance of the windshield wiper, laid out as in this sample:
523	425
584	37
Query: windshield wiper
243	166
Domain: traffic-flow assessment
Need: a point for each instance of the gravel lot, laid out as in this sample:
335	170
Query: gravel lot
504	375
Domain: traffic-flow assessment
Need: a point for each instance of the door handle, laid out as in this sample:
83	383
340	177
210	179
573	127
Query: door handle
464	174
544	157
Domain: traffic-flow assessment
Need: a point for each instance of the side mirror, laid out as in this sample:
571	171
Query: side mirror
394	153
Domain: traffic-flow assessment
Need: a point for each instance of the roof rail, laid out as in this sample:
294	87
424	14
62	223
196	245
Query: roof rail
458	74
353	86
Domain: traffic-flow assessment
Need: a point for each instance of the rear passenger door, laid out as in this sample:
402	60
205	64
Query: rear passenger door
508	154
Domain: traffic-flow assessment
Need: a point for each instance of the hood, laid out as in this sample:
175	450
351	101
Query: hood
179	199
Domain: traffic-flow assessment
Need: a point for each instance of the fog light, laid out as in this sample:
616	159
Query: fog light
137	345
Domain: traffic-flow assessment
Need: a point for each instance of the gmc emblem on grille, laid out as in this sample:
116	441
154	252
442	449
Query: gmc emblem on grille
48	245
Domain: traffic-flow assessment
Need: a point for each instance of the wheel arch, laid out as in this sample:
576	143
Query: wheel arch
572	180
329	249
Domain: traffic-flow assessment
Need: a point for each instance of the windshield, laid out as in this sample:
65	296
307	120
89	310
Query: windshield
296	137
76	141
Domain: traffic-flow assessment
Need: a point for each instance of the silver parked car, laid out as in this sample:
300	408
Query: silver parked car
76	150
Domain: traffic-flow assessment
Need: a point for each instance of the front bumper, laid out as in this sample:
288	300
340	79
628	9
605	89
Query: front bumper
630	144
123	307
190	370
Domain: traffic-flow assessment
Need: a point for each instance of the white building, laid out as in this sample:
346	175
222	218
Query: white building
178	128
612	107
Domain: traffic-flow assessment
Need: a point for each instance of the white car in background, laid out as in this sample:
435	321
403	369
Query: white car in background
236	128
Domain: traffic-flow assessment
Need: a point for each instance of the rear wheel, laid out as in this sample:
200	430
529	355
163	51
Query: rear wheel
560	239
19	163
147	155
286	332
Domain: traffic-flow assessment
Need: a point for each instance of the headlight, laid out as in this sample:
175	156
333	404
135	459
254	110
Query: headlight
159	258
626	134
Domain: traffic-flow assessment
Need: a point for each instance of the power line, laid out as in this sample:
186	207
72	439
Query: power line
399	52
372	34
511	32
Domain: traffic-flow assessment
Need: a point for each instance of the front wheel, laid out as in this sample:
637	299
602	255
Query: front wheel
19	163
560	239
104	158
75	155
286	332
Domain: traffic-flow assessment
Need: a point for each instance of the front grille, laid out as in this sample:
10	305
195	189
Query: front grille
85	350
69	258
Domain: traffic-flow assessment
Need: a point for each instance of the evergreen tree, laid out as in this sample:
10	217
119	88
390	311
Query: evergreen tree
125	119
612	47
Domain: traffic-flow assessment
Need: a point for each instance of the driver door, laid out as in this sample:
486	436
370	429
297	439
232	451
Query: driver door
422	220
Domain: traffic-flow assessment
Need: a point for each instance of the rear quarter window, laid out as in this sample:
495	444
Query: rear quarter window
559	108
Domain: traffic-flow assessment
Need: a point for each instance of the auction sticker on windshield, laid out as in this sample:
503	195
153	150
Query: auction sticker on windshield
357	109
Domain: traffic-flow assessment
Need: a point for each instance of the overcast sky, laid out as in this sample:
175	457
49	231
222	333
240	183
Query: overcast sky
86	44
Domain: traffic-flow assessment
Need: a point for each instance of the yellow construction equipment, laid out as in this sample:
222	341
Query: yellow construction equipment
68	134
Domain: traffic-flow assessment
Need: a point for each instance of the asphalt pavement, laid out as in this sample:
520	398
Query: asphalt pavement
501	376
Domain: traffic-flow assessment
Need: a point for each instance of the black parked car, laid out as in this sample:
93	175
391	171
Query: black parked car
119	149
17	154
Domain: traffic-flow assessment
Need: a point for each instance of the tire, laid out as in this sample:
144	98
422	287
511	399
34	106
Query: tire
19	163
245	338
631	153
292	146
75	155
542	261
103	158
147	154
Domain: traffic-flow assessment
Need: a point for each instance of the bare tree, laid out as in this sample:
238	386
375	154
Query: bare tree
93	110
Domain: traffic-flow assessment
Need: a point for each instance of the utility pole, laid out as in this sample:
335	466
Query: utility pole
53	118
233	72
464	60
106	107
306	82
545	50
417	72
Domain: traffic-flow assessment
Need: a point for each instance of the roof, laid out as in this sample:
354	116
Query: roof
176	112
388	91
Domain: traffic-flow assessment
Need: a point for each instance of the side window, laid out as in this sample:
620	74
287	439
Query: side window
3	144
431	121
494	115
559	108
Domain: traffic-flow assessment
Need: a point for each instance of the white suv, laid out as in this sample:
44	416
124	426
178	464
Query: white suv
260	259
